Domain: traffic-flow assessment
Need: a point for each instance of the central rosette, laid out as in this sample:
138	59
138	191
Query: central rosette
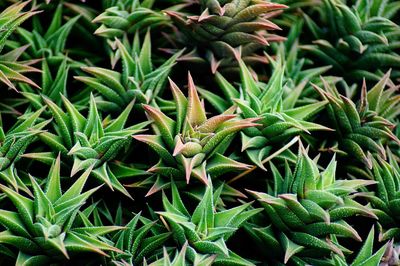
192	144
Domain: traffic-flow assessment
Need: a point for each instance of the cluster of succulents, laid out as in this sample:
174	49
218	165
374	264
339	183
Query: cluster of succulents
206	132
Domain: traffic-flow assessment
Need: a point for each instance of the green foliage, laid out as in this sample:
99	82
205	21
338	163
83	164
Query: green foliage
363	128
279	117
359	41
192	144
12	70
218	33
307	206
223	26
43	228
305	122
384	200
205	229
89	141
138	81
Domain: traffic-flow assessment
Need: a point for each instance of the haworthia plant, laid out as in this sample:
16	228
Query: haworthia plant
207	132
43	228
192	144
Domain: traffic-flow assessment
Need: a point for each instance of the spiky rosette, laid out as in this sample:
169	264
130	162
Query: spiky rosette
48	42
139	80
222	27
206	229
192	144
279	118
306	207
363	129
146	242
142	238
358	42
87	141
52	86
44	228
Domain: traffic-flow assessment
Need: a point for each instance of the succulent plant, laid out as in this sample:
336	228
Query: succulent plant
384	199
14	142
364	128
365	255
180	259
43	229
307	206
83	93
205	229
51	43
192	144
213	34
141	238
299	70
221	27
139	80
139	243
391	255
358	41
88	141
280	119
126	16
13	145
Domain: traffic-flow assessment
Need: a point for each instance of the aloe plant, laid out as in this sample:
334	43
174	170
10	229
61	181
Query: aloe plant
365	255
384	200
180	259
225	30
122	16
13	145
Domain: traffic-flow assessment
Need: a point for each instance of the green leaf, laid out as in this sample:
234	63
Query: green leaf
195	111
21	243
249	84
145	55
76	189
31	260
58	39
24	206
290	247
62	121
366	251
